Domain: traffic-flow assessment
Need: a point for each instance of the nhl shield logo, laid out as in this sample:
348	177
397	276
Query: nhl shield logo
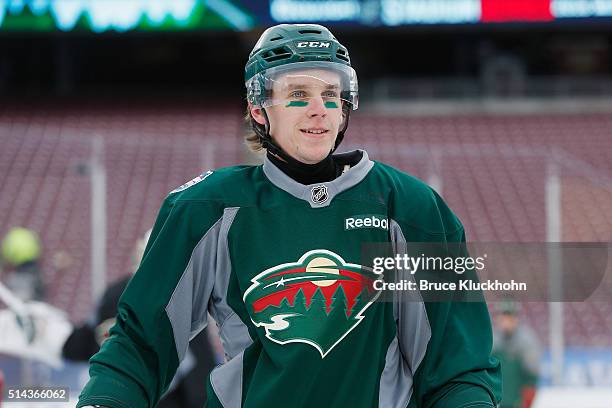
317	300
319	194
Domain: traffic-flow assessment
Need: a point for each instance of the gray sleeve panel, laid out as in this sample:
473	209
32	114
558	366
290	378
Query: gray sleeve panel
218	307
226	381
187	307
234	336
396	380
233	333
413	328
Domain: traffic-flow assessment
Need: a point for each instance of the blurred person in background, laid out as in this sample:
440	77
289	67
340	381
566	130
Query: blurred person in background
517	347
187	388
21	251
263	249
32	329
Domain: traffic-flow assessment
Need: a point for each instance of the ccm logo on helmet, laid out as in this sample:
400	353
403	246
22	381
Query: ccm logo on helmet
313	44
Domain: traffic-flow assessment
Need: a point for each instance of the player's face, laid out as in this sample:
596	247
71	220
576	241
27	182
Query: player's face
307	114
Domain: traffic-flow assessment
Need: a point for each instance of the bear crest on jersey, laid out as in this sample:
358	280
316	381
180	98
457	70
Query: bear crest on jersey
317	300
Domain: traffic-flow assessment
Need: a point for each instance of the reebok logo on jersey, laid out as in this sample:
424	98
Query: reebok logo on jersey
317	300
366	221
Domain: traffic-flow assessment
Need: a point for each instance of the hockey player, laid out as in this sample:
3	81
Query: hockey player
266	250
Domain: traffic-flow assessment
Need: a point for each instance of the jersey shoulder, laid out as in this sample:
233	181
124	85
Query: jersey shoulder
229	185
414	202
403	183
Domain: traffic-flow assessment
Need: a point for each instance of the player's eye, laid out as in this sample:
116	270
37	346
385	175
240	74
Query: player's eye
297	94
330	94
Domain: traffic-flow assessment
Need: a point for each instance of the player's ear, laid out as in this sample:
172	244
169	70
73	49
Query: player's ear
257	114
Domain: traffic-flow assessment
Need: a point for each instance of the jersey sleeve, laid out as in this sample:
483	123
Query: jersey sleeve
451	356
162	308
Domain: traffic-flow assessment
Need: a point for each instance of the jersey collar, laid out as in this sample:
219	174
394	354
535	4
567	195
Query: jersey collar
319	194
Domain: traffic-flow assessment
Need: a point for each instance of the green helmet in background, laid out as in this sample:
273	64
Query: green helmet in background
287	48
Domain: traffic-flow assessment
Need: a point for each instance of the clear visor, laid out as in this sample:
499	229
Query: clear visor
302	83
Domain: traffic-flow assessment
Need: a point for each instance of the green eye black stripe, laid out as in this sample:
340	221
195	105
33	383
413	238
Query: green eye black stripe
329	105
297	103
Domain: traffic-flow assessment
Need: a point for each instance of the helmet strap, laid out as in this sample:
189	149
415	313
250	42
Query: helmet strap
264	136
346	111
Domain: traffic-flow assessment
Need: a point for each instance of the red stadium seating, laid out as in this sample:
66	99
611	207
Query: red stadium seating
492	167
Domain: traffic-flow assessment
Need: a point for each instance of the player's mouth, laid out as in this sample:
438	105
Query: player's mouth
314	132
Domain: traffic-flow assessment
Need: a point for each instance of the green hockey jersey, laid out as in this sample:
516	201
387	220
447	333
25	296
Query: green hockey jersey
276	264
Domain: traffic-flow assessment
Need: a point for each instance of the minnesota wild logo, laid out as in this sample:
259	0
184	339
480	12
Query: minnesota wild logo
317	300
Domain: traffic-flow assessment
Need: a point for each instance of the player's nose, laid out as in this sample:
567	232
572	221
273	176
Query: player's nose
316	107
